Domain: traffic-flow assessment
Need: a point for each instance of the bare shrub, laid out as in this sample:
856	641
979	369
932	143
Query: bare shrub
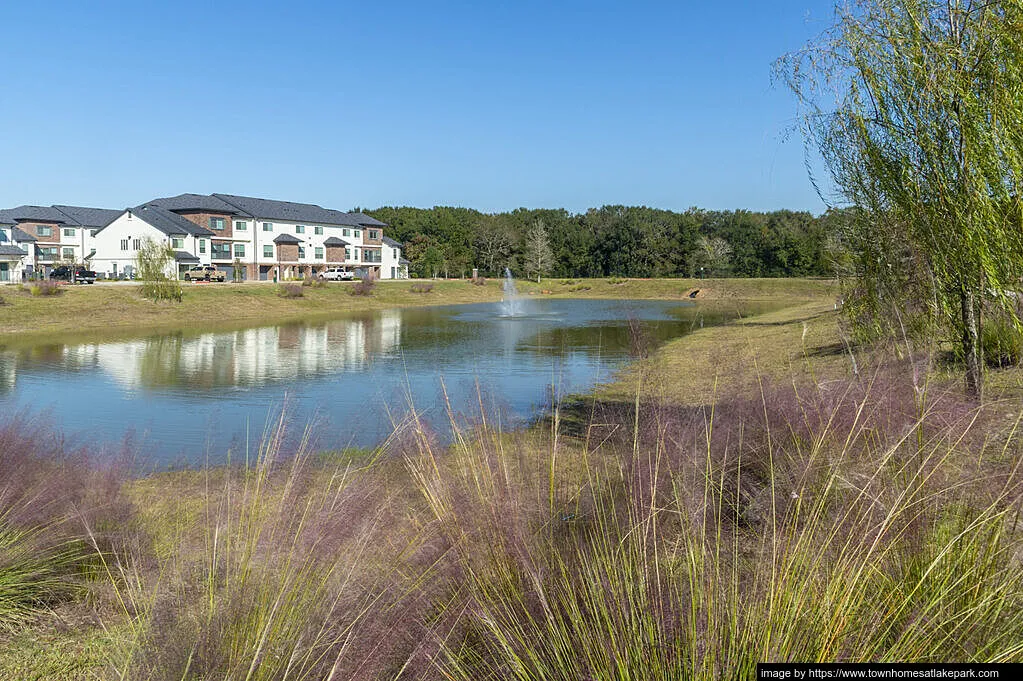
421	288
290	291
364	287
46	288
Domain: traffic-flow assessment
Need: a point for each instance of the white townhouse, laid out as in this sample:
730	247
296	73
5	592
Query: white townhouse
264	239
287	240
116	245
46	236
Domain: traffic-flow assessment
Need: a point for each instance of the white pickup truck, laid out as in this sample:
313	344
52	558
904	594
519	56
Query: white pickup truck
337	274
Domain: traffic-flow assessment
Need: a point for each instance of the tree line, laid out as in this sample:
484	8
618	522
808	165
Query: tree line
624	241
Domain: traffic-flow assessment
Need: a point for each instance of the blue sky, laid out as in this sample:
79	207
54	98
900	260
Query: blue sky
489	105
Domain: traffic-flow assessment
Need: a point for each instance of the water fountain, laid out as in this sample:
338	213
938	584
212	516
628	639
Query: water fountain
511	303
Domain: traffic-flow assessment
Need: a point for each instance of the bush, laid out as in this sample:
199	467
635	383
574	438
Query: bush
1001	342
46	288
479	281
168	289
421	288
290	291
314	281
364	287
2	301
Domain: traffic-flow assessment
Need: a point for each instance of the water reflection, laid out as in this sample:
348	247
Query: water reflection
193	391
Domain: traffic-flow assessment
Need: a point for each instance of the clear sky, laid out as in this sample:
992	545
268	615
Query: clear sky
484	104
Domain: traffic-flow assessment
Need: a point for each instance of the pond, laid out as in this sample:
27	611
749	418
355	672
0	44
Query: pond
179	398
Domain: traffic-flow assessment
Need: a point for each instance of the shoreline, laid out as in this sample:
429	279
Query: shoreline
118	312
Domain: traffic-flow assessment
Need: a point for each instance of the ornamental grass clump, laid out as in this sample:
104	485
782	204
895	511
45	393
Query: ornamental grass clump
855	521
289	566
60	512
290	291
45	288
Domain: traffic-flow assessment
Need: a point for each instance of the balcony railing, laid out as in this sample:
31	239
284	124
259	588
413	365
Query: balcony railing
221	253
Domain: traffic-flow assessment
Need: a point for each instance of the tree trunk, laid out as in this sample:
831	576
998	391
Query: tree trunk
971	342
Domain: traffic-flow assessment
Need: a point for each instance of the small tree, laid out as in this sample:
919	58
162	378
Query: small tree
237	271
153	260
712	253
917	109
539	256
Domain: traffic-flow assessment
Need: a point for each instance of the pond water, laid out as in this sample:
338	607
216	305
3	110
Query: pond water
182	397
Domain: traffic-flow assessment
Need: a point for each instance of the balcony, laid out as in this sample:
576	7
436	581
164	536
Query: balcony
218	253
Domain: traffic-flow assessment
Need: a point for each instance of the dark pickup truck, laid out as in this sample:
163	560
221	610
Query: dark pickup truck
81	275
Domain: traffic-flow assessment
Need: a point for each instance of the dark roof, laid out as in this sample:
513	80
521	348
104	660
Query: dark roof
11	250
185	256
90	217
19	235
366	220
11	216
403	261
388	241
195	202
334	241
301	213
287	239
169	223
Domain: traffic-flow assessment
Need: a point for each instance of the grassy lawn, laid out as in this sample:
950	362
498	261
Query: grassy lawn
97	312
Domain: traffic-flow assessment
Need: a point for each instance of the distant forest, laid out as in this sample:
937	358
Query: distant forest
622	241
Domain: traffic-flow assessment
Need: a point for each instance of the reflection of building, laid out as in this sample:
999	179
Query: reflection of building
250	357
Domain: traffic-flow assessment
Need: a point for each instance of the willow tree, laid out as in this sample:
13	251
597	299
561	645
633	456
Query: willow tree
917	110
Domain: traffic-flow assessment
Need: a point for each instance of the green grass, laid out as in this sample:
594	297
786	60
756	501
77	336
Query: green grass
105	312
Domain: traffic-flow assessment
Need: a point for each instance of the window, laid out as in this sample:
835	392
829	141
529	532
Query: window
356	235
299	229
356	253
268	251
48	252
239	250
346	232
348	254
268	226
319	253
318	229
241	226
44	230
177	242
217	223
69	231
69	254
374	234
371	255
124	244
136	244
202	245
301	251
219	251
395	253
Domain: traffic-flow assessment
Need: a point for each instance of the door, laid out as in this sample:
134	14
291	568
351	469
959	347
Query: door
5	272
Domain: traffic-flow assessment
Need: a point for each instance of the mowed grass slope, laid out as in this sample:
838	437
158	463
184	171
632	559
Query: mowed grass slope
118	310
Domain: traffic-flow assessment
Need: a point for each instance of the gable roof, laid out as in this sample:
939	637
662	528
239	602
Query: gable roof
195	202
19	235
6	249
334	241
89	217
12	216
289	211
287	239
168	222
388	241
366	220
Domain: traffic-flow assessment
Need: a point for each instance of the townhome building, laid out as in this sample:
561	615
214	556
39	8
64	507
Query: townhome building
116	246
247	237
35	238
272	239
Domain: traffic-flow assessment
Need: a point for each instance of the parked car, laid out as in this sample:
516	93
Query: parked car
337	274
205	273
81	275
